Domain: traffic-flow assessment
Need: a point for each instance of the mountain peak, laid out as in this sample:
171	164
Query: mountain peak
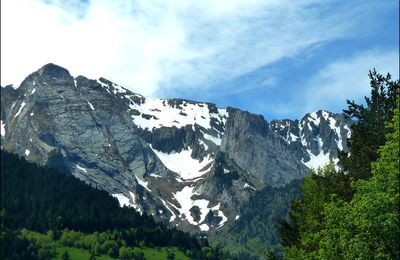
53	70
54	74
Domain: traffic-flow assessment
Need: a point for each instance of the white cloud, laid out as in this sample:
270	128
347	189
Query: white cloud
347	79
155	47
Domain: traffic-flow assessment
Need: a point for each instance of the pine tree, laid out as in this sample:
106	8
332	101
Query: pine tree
368	133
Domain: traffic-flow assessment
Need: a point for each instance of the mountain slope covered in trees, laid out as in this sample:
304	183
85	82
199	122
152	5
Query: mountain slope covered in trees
46	201
256	231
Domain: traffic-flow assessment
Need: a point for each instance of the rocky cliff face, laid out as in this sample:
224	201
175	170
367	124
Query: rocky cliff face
188	163
316	138
253	146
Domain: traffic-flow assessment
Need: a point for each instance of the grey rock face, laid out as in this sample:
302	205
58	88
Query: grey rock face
188	163
8	97
92	134
250	143
317	135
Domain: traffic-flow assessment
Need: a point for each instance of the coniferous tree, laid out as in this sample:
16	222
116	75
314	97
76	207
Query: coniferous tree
368	133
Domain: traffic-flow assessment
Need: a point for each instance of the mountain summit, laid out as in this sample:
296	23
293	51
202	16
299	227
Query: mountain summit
188	163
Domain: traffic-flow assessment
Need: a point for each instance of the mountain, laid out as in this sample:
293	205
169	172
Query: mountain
316	138
187	163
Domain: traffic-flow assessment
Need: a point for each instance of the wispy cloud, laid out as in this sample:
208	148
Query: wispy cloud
347	79
158	47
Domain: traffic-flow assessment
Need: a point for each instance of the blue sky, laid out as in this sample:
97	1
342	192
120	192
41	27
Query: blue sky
278	58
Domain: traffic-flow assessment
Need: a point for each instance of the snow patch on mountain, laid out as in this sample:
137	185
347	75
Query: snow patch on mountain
325	114
20	109
3	128
204	227
172	212
155	175
155	113
337	130
122	199
220	214
184	198
183	163
118	89
246	185
317	161
186	203
291	138
111	86
348	131
143	183
125	201
204	144
81	168
90	105
314	118
134	203
320	160
222	115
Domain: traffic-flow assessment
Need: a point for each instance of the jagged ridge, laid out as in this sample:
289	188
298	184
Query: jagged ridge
188	163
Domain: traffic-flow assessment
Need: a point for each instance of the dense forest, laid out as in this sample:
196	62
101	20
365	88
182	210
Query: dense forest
40	205
353	213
